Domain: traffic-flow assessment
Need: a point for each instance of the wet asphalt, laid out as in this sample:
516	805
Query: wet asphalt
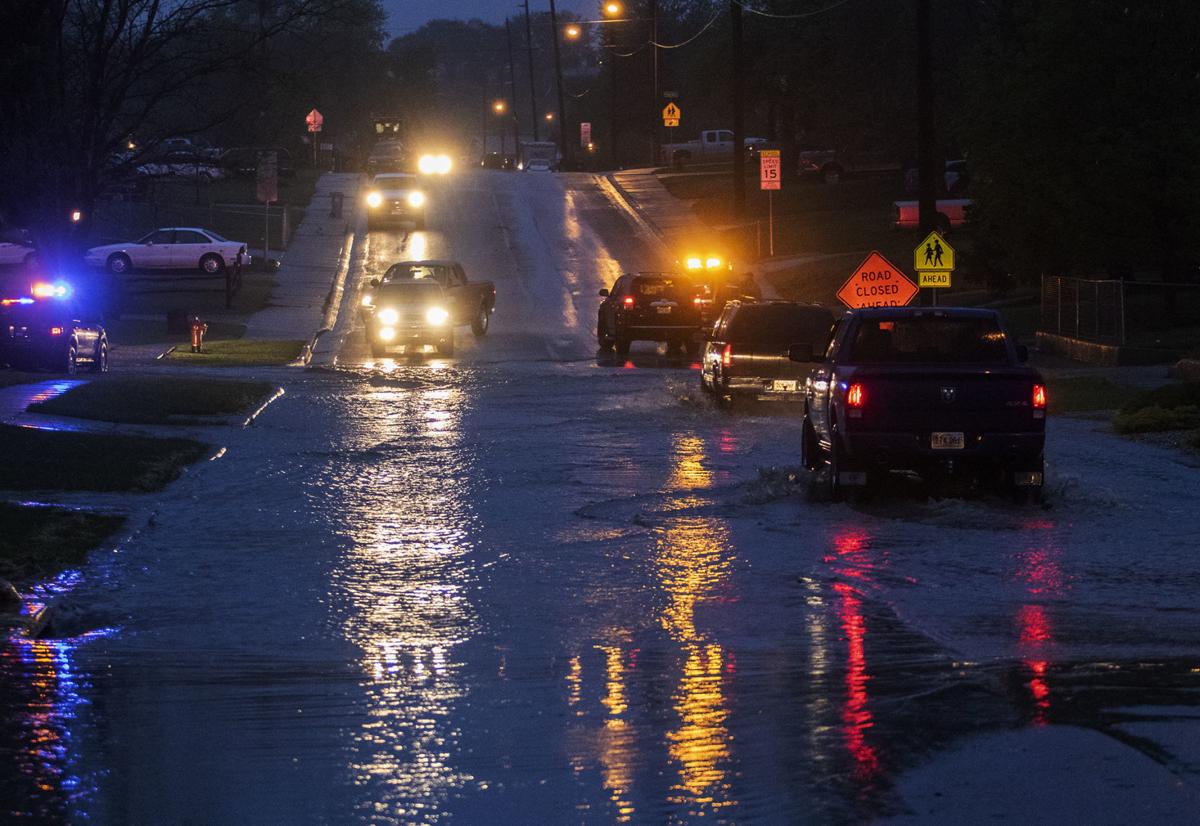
534	584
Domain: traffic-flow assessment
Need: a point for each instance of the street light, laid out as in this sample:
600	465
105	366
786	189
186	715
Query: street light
613	9
572	32
499	107
549	116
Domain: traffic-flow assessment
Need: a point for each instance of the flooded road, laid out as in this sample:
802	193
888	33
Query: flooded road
528	585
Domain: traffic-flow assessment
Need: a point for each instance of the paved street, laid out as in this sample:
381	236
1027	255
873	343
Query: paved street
531	584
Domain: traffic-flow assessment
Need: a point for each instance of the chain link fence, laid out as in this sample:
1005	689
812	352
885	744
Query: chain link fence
1111	311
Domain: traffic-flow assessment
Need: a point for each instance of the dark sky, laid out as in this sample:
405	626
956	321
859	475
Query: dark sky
407	15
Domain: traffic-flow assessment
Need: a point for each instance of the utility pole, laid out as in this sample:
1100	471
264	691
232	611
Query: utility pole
657	101
926	173
612	100
512	88
485	108
533	107
739	126
562	110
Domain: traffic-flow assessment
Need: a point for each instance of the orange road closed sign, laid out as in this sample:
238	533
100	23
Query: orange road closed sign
877	282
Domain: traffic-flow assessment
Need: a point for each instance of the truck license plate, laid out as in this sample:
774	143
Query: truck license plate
947	441
664	310
784	385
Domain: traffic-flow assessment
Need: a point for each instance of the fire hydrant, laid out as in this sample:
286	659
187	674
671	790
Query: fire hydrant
199	328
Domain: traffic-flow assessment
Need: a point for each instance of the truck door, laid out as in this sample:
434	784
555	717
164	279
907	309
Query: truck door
456	292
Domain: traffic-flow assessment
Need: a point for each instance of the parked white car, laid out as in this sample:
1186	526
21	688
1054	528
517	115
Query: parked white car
16	249
171	248
182	165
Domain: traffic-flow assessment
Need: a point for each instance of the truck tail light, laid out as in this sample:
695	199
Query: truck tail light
628	301
1039	401
856	396
727	356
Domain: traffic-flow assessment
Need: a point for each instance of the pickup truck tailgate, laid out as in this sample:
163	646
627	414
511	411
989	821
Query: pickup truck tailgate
925	398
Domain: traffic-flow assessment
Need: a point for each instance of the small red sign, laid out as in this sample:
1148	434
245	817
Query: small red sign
315	120
877	282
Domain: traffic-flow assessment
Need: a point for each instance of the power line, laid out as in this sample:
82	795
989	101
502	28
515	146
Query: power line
799	16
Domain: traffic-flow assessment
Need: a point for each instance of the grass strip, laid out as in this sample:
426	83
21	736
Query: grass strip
1177	394
1072	394
155	399
135	331
1155	419
56	460
41	541
242	353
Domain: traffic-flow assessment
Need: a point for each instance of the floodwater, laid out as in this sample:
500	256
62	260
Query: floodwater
529	585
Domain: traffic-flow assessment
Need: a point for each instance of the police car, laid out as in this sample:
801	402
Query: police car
48	330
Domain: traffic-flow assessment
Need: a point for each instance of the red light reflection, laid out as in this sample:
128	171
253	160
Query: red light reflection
856	716
1035	635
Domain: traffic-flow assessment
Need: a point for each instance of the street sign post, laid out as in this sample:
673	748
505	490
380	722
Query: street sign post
877	282
671	114
933	259
769	179
315	121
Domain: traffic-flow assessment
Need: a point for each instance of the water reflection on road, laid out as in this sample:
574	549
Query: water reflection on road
401	591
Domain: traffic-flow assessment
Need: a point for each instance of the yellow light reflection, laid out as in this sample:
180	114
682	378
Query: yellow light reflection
617	745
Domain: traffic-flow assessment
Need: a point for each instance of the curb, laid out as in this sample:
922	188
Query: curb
333	299
621	198
279	391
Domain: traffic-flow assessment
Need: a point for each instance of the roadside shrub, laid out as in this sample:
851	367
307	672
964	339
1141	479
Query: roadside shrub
1177	394
1155	419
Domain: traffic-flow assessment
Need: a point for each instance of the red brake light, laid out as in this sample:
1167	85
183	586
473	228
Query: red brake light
727	356
856	395
56	331
628	301
1039	397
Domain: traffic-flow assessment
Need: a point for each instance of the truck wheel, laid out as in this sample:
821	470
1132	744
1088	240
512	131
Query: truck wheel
622	344
481	322
100	361
810	451
70	363
602	338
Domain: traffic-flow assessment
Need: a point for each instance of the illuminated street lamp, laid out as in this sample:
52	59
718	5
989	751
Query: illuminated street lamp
549	116
572	32
499	107
613	9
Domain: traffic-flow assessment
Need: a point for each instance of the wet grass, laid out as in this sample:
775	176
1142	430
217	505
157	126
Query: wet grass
1170	407
1075	394
155	399
242	353
41	541
133	331
56	460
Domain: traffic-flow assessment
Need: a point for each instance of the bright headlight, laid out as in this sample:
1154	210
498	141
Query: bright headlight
693	263
426	165
374	199
367	299
388	316
712	262
436	316
386	333
415	199
442	164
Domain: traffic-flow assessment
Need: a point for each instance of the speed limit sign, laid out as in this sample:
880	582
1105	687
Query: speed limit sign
768	169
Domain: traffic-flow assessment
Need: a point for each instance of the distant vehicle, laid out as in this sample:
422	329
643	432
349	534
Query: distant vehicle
747	353
712	145
50	331
389	156
394	198
650	306
17	250
713	276
171	248
834	165
183	165
242	161
469	302
538	156
942	392
421	302
951	212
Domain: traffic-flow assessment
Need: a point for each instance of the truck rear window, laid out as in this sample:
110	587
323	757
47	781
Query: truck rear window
417	272
928	339
675	289
781	325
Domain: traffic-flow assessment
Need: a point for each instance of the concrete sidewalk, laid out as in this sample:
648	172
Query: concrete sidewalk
314	261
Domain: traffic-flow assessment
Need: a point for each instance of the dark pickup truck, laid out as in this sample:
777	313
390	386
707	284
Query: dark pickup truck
468	302
943	392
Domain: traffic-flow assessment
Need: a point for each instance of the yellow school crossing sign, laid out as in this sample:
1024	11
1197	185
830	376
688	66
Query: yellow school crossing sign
933	259
671	114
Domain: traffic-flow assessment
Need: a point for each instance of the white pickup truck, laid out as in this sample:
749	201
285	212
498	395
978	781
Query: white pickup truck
713	144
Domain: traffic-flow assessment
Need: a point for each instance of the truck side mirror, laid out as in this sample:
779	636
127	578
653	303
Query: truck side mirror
1022	353
801	353
374	282
604	293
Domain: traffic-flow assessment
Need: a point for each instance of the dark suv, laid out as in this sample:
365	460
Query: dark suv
650	306
747	354
50	334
